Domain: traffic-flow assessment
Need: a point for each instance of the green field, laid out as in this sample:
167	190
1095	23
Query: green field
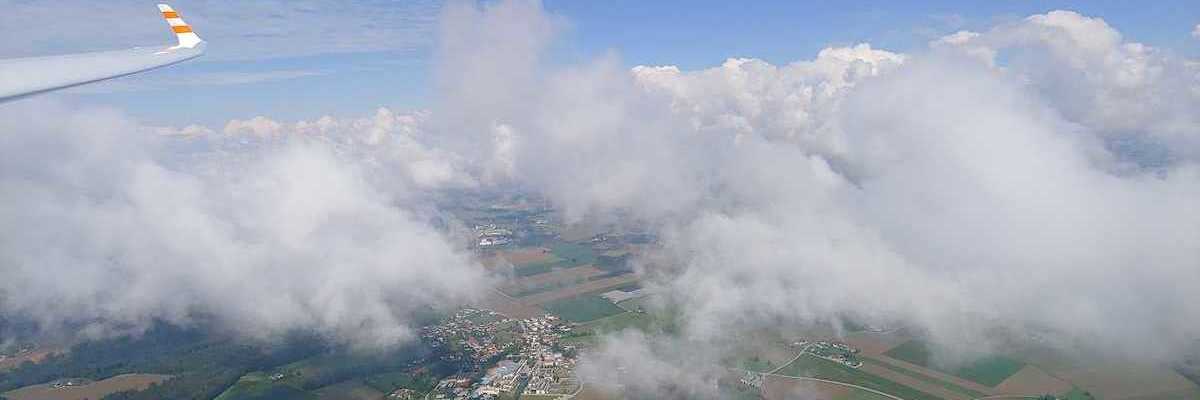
353	389
810	366
532	269
620	322
522	291
258	386
755	363
387	382
573	253
583	308
926	378
859	394
564	255
987	371
1077	394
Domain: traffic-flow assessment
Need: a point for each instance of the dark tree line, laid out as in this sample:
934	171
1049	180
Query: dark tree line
202	365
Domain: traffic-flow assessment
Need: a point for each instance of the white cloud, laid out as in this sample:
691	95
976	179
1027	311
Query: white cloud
394	143
1087	71
1196	31
954	195
102	227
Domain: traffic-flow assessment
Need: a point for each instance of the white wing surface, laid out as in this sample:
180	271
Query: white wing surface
20	77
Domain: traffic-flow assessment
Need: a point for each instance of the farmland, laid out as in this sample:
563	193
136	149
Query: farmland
989	371
548	281
583	308
780	388
92	390
811	366
259	386
586	287
348	390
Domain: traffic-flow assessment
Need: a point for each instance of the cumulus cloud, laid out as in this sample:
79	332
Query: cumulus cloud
1087	71
1038	177
105	228
954	191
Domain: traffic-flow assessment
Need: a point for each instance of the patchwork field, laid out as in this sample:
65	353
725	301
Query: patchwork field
780	388
94	390
874	343
1130	381
528	255
918	380
573	291
583	308
549	281
1032	379
258	385
988	371
349	390
811	366
35	356
573	253
509	306
591	392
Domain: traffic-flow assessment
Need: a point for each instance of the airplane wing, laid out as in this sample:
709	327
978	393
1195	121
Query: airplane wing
20	77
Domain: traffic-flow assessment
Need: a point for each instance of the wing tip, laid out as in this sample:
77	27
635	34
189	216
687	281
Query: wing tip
183	32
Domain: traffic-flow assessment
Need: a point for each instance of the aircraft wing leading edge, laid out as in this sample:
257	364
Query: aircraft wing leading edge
20	77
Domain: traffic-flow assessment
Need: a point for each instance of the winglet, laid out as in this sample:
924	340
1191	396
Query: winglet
183	31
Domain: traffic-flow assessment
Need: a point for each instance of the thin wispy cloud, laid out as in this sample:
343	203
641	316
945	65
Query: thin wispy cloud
245	30
194	79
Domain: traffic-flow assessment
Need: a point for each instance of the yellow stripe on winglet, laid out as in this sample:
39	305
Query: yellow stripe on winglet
170	14
181	29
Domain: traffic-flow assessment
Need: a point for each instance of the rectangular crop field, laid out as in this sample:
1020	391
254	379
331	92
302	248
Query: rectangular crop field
811	366
987	371
573	253
583	308
93	390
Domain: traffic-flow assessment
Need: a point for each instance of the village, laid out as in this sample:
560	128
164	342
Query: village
832	351
501	357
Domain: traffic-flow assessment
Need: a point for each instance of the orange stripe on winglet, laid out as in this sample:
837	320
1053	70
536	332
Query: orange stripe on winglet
170	14
181	29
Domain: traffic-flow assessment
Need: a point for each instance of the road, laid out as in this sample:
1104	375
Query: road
850	385
775	373
780	367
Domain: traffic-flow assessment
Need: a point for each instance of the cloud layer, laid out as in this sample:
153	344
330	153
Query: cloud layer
107	227
1038	178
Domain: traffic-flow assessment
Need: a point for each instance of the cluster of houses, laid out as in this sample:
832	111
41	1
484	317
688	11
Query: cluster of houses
472	336
492	236
404	394
67	383
832	351
502	356
552	368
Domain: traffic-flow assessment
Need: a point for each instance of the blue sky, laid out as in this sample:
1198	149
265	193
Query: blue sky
301	60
